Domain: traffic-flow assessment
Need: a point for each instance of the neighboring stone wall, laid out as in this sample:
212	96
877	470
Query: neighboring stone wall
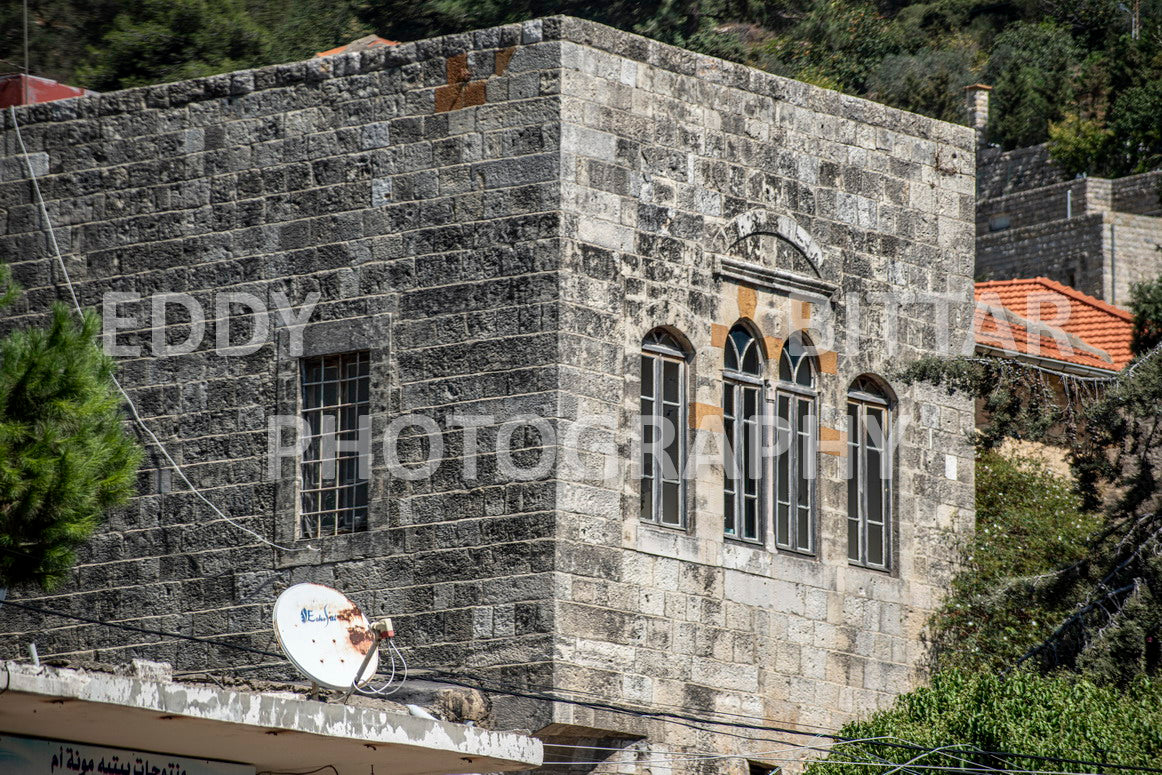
429	233
1138	194
1027	208
664	154
1134	246
1069	251
500	217
1006	172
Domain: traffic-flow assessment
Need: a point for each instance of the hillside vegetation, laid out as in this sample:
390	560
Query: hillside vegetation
1065	70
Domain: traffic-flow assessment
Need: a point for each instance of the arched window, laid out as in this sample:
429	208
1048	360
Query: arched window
869	474
742	408
795	448
663	429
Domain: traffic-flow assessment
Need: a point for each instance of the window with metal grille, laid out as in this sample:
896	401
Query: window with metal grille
663	429
742	411
795	449
869	477
334	469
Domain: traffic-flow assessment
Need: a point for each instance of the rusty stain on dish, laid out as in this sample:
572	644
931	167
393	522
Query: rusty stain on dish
361	638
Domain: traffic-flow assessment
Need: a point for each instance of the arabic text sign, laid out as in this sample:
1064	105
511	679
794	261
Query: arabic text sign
30	756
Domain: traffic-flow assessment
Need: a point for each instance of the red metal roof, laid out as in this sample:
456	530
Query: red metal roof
1042	318
19	89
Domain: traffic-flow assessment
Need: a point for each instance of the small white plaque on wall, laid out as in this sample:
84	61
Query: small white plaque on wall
950	467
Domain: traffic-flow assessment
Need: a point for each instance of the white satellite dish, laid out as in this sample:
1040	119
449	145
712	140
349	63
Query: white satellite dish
325	635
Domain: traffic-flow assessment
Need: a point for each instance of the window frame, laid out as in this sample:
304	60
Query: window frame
362	362
797	395
661	347
862	398
738	381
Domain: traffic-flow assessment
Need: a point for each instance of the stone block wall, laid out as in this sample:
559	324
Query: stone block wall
674	165
425	228
499	218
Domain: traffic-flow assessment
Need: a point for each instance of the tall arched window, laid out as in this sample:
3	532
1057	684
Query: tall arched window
742	408
795	449
663	429
869	474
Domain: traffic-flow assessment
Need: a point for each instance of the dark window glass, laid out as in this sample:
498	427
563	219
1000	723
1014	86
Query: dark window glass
869	474
796	449
663	429
742	408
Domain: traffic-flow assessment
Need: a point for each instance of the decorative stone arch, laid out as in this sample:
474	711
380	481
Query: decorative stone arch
785	228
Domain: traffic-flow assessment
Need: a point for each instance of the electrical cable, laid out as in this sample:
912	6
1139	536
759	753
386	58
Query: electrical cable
143	630
682	719
132	406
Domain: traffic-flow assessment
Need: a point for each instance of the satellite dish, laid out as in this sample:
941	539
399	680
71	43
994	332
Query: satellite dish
325	635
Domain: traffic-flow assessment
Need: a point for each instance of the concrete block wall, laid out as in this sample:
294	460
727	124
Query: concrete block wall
499	217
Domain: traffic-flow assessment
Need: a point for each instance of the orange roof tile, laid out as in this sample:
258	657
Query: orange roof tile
369	41
1043	318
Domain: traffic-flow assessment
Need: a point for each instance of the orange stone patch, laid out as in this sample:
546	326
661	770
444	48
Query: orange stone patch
699	413
828	362
502	58
457	68
718	333
747	301
832	441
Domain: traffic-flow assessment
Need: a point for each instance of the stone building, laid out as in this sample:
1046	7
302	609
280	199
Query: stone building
521	238
1094	234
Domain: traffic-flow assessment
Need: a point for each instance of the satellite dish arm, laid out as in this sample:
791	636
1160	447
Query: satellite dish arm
382	629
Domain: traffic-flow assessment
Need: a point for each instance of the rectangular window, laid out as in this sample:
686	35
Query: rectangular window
868	484
663	434
335	407
742	422
795	472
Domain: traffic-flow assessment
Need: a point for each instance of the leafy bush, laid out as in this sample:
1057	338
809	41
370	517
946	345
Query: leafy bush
1146	304
1013	589
971	715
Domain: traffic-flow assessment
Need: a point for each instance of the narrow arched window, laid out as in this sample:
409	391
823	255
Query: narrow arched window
795	447
742	408
663	429
869	474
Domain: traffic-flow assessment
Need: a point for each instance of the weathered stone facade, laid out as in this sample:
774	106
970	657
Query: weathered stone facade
499	218
1094	234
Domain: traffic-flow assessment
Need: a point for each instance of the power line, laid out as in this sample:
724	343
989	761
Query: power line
682	719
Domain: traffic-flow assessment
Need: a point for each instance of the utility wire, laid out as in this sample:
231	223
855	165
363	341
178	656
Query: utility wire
683	719
132	406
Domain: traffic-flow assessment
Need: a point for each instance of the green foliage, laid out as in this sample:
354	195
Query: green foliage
1078	143
1015	406
1146	304
1113	593
1030	70
838	40
930	81
64	455
970	714
300	29
1011	593
153	41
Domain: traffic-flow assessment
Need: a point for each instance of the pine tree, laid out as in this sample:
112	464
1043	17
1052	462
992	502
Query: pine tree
65	457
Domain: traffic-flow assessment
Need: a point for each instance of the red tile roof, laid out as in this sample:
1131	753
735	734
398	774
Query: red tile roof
370	41
1042	318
